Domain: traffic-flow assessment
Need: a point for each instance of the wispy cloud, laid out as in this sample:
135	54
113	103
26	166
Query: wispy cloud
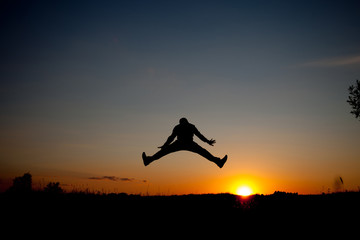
334	62
117	179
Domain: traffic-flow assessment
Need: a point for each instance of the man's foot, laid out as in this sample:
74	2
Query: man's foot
221	162
146	159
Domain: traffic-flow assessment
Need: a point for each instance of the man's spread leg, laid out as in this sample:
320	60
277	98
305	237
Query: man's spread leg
164	151
194	147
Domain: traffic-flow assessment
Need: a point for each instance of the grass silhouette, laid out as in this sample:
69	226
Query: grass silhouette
277	203
196	216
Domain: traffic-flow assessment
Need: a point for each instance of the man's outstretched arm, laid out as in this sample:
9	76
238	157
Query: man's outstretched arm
204	139
169	140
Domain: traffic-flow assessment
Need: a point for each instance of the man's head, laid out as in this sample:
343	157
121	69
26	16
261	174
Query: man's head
183	121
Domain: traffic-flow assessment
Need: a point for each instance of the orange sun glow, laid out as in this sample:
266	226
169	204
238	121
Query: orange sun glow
244	191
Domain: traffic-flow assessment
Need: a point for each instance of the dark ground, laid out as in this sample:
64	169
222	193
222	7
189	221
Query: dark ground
211	213
40	202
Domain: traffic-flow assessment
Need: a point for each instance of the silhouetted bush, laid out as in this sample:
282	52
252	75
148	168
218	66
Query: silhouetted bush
22	184
354	99
53	187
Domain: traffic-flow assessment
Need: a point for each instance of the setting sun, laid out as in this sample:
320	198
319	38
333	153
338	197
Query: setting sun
243	191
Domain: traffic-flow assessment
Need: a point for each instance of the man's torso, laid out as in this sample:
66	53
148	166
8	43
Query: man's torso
185	132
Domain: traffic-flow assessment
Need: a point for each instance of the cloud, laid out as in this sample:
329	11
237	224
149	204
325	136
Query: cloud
334	62
117	179
127	179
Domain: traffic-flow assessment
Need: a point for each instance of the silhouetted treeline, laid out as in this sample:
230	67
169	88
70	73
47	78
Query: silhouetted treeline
23	185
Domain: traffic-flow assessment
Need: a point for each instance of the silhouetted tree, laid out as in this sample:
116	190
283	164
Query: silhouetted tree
53	187
22	184
354	99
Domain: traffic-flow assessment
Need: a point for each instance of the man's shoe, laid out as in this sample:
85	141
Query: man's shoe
222	161
146	159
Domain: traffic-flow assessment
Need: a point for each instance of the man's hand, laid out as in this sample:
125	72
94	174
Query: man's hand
211	142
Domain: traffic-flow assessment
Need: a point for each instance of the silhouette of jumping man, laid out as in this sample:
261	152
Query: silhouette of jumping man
185	133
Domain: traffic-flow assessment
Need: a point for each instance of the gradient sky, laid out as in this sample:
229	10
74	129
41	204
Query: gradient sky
87	86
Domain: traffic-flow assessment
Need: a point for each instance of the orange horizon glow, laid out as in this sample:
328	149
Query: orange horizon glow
174	184
244	185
